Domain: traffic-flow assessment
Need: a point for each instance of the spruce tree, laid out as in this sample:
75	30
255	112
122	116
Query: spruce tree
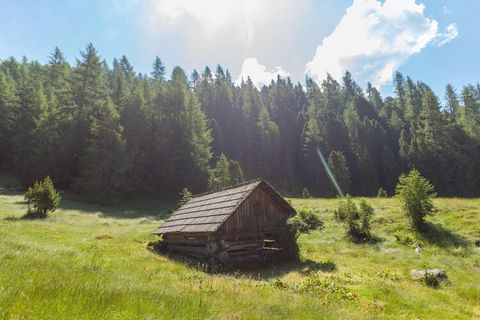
220	176
41	198
453	104
236	172
104	162
158	72
187	137
338	165
8	100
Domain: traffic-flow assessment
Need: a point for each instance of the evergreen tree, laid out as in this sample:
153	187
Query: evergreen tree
416	194
338	165
158	73
8	101
104	162
41	198
399	83
236	172
187	137
58	79
99	120
221	177
226	173
89	81
91	95
31	108
185	196
452	101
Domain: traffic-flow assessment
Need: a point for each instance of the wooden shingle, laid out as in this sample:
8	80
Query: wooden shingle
207	212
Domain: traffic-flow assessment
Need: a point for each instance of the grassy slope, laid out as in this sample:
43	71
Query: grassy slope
58	269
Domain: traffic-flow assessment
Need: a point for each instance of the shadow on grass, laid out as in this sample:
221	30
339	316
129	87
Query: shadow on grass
276	270
436	234
252	270
13	218
148	207
370	239
123	209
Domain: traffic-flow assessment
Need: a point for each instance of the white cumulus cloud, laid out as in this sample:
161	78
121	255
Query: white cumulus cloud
195	33
211	13
258	73
450	33
374	38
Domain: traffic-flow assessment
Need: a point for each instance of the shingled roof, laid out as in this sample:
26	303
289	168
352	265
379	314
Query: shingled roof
208	211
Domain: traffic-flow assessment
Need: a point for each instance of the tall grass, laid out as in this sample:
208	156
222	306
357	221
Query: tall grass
90	262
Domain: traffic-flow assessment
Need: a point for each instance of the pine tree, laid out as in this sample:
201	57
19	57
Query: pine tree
452	101
338	165
53	115
268	146
134	120
470	118
374	97
91	95
185	196
41	199
399	83
220	176
58	79
158	73
8	100
31	108
89	81
187	137
104	161
236	172
416	194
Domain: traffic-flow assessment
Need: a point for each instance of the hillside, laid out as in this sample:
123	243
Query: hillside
90	262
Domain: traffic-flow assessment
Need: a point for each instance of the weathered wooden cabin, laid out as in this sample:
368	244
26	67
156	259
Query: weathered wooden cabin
231	225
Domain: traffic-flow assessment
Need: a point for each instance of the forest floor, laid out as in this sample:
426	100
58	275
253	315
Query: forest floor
90	262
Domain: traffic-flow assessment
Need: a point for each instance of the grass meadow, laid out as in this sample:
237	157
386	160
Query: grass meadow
89	261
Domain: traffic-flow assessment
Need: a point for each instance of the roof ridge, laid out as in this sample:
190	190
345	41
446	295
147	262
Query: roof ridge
242	200
227	188
208	216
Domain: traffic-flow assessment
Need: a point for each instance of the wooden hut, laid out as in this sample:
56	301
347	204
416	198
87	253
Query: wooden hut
231	225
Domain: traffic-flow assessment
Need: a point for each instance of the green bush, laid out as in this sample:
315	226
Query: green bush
346	207
317	285
381	193
431	280
41	199
185	196
305	221
306	194
357	219
416	194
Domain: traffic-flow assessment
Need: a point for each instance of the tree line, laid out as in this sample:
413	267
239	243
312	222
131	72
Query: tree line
104	130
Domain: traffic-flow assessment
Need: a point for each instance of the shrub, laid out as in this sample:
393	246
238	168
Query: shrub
431	280
404	238
41	199
357	219
346	207
305	221
185	196
416	194
317	285
381	193
306	194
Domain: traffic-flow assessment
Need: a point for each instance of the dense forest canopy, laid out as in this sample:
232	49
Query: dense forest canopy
105	130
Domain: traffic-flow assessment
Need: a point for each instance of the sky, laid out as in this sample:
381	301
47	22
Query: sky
435	41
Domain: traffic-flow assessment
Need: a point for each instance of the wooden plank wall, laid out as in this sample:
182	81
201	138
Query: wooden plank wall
256	214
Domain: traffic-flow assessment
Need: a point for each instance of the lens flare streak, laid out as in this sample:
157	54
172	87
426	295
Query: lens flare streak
330	173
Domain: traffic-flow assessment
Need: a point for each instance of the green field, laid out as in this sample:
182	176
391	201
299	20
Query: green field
90	262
